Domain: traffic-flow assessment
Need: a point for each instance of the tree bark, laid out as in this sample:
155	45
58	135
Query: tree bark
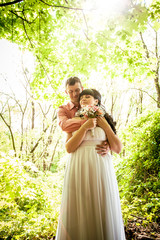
12	137
156	69
156	82
35	146
54	151
32	127
156	79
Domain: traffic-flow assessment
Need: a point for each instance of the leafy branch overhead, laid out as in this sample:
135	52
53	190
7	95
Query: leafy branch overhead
65	42
10	3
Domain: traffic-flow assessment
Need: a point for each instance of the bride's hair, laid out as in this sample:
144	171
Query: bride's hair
87	92
93	92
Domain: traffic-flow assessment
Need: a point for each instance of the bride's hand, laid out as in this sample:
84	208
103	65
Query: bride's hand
101	121
80	118
77	118
90	124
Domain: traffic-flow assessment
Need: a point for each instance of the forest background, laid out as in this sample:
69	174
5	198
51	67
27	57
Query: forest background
111	46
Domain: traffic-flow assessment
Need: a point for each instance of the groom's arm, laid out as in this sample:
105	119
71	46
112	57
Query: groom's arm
66	122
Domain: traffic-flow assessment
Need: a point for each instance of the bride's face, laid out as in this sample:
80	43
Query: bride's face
88	100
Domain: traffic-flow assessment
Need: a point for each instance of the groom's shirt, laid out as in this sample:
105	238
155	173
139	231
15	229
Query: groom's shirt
65	114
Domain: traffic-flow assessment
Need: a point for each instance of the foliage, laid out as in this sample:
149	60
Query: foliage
49	31
64	41
29	200
138	173
32	126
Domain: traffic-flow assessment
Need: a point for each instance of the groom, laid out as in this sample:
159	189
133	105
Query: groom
67	112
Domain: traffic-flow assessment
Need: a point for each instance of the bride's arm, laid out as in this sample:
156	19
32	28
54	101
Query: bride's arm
74	141
114	142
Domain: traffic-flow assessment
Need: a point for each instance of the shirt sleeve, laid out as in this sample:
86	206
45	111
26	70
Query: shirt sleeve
68	124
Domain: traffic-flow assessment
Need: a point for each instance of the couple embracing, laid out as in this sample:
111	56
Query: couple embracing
90	208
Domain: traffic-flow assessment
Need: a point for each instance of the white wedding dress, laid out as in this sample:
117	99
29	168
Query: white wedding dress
90	208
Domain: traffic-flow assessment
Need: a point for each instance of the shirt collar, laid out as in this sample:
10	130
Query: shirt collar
71	105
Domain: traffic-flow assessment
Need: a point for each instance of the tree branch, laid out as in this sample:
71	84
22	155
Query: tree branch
146	93
44	114
144	45
24	19
38	58
14	98
10	3
50	5
156	46
36	144
54	151
86	34
10	130
124	51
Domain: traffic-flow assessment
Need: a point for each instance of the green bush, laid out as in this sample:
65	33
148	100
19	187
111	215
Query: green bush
29	200
138	173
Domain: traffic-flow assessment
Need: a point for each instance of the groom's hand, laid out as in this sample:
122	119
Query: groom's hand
103	148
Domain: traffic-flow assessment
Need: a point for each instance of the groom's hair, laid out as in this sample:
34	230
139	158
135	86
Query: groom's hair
72	80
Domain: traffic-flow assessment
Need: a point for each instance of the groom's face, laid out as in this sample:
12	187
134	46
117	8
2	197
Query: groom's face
73	92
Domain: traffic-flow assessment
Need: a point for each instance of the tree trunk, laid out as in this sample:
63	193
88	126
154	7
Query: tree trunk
54	151
21	145
156	82
141	102
32	127
10	130
156	69
156	79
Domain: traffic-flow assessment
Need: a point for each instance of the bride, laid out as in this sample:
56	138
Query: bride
90	208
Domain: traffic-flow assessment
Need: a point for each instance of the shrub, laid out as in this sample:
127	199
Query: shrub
138	173
29	203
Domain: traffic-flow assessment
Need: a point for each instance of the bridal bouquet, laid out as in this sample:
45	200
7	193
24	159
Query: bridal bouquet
90	112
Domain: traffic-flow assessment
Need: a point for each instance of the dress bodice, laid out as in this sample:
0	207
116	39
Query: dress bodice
94	138
98	135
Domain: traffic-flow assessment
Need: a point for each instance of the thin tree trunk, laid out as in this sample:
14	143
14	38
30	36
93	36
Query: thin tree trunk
157	86
22	127
155	70
38	141
10	130
32	127
156	79
54	151
33	114
141	102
